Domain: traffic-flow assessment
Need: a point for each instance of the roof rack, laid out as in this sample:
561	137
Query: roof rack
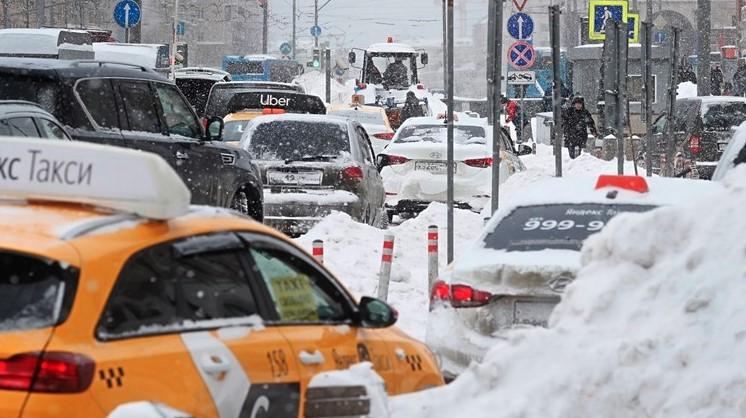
20	102
103	63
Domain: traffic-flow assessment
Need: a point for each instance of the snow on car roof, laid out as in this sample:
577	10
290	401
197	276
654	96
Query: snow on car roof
391	48
433	120
341	121
716	99
43	41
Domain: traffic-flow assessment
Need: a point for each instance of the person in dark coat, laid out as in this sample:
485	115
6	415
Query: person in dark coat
716	80
739	79
576	121
396	75
412	108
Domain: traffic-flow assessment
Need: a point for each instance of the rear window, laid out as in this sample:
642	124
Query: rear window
365	118
723	116
247	67
34	292
196	91
439	134
289	140
42	91
557	227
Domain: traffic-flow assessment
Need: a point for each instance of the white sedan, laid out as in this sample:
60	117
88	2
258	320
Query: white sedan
413	166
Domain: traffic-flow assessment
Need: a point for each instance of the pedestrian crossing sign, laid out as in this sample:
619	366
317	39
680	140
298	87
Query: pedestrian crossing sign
601	12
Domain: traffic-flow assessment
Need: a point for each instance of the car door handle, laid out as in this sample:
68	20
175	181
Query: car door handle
214	364
182	155
310	359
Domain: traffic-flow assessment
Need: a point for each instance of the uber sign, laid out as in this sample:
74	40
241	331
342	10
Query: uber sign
269	100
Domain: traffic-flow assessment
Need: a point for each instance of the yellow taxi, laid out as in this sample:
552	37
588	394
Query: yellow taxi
114	290
236	124
373	118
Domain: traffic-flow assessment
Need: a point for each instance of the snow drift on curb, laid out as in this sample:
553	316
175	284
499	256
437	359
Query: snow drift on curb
654	325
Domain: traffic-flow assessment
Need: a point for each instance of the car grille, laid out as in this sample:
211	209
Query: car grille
228	159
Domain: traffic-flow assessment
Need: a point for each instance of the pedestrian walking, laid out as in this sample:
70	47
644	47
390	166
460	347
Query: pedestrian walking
576	121
739	79
716	80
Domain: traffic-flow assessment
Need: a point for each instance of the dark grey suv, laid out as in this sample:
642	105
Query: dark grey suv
133	107
312	165
25	119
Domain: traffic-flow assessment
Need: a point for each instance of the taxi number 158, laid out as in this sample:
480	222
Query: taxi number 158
278	363
567	224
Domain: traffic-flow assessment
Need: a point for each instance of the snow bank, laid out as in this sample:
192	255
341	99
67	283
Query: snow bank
686	89
314	82
353	252
653	326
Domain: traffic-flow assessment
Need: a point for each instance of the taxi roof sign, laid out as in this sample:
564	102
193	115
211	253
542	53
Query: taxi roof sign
108	177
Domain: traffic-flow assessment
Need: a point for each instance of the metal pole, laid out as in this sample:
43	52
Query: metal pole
40	16
449	118
703	48
265	27
432	257
295	5
621	83
384	276
316	21
672	102
648	86
554	24
136	31
173	40
445	45
126	35
496	105
328	59
649	11
491	69
522	122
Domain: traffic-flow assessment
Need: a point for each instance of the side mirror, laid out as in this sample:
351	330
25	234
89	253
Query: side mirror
524	149
380	161
351	57
424	58
215	127
146	409
376	313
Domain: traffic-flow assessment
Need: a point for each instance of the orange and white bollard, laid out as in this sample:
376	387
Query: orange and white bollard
318	250
432	256
386	259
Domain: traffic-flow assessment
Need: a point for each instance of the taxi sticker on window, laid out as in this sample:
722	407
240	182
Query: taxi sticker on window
294	298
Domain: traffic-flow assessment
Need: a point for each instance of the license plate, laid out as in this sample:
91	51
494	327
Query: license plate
434	167
532	313
302	178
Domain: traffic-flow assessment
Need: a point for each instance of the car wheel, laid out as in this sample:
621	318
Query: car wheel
240	203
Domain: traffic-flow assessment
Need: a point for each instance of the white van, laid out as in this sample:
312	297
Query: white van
64	44
152	56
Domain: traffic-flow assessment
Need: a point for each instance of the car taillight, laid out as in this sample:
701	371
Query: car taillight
463	296
395	159
386	136
353	173
694	144
52	372
440	291
479	162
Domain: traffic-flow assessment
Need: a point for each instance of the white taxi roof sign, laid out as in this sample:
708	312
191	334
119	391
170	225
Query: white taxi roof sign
109	177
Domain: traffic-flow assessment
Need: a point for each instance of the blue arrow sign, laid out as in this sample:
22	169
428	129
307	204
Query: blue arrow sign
315	31
285	48
520	26
127	13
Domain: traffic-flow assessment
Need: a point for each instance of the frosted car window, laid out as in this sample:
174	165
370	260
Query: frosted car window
139	106
98	98
439	134
559	227
291	140
23	127
51	130
34	292
177	113
176	286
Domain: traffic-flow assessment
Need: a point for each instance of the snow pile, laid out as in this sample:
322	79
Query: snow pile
653	326
352	251
314	82
686	89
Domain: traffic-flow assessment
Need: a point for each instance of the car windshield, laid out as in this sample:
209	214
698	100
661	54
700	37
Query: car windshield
722	116
234	130
297	140
363	117
439	134
557	227
32	291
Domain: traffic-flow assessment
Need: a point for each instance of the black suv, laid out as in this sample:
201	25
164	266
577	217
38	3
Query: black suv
133	107
25	119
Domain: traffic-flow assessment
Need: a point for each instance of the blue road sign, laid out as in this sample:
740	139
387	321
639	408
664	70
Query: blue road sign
520	26
315	31
521	55
285	48
127	13
660	37
181	28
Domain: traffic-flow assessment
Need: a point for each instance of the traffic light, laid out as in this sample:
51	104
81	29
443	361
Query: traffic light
316	57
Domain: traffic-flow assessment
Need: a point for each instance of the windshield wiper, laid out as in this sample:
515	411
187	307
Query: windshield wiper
321	157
